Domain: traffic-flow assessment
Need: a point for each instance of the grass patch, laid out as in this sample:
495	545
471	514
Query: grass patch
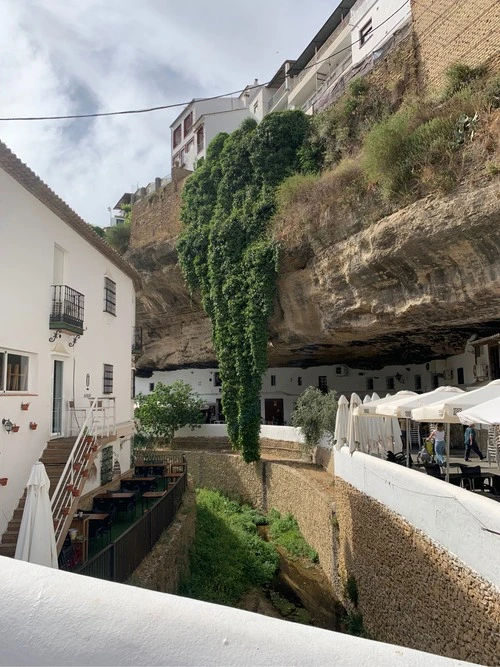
228	558
283	530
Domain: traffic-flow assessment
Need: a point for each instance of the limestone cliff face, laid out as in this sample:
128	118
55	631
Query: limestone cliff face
411	287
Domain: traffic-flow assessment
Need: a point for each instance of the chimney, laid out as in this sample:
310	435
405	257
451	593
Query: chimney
255	82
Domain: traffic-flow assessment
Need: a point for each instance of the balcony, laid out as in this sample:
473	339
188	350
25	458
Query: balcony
136	340
67	310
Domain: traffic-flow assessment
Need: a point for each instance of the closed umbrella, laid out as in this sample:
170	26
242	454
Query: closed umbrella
353	435
341	422
36	542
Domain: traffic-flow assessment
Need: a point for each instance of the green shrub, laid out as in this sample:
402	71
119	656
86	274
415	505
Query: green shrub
353	625
351	590
284	530
314	414
119	237
461	76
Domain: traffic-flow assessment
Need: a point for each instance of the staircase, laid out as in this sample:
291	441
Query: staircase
54	459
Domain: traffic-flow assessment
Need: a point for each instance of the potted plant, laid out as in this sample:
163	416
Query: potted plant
33	426
85	473
15	428
86	456
3	481
70	487
24	406
75	492
77	467
65	511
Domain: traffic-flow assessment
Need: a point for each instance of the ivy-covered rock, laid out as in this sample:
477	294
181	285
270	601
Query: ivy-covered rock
226	253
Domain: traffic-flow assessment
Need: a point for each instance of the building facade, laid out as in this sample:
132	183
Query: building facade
66	333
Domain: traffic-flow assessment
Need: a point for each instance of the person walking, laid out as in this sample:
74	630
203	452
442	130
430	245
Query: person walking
471	443
439	443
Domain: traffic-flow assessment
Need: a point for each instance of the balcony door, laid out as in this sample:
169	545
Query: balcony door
57	397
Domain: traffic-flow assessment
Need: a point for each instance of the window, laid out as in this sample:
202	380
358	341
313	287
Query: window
177	135
132	384
217	380
365	33
188	123
189	146
435	380
107	385
460	376
151	386
200	139
323	383
273	380
256	107
369	384
109	296
418	383
299	381
389	383
13	371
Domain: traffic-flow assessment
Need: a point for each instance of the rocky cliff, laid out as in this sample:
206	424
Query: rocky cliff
411	287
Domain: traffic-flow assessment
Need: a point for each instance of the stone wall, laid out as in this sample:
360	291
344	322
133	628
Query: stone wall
324	458
156	217
411	591
168	562
450	31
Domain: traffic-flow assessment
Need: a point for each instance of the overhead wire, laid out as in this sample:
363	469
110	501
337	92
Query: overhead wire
201	99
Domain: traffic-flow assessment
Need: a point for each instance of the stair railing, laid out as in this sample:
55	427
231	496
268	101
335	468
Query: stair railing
76	469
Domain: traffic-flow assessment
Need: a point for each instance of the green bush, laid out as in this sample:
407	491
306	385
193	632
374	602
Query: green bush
461	76
315	414
228	558
284	530
351	590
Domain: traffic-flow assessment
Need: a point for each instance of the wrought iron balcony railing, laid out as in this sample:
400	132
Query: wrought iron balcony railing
68	310
136	340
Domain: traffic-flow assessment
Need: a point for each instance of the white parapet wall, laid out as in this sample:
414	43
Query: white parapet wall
58	618
462	522
285	433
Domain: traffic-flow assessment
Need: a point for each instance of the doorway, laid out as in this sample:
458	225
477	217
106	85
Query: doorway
57	397
273	411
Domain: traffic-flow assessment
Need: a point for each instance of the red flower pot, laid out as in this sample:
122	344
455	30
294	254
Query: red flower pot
69	487
3	481
77	467
86	456
85	473
75	492
24	406
65	511
15	428
33	426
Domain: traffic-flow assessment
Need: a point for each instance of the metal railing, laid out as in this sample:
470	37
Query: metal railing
67	308
118	560
277	95
331	79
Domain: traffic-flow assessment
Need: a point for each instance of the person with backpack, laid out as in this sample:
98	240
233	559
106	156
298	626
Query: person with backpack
471	443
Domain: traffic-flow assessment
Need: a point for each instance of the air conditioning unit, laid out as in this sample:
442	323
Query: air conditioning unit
437	366
448	375
481	371
341	370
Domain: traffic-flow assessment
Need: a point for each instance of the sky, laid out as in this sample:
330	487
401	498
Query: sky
63	57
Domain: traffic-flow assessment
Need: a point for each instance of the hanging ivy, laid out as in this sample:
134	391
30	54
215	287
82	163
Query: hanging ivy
226	253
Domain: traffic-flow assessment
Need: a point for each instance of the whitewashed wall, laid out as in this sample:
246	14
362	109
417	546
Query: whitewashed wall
56	618
451	516
29	232
383	13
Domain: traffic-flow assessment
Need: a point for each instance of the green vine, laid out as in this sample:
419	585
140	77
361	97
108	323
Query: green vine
226	253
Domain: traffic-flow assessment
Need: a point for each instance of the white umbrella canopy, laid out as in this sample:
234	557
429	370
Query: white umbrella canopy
353	435
401	407
36	542
483	413
370	409
341	422
446	410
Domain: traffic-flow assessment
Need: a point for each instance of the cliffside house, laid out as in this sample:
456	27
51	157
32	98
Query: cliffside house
65	348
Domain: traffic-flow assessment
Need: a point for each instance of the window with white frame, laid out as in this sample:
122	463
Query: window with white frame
107	383
109	296
14	368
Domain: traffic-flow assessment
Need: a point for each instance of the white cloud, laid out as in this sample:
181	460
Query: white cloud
69	57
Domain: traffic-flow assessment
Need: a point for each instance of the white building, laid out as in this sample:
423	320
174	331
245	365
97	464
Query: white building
68	311
201	120
282	386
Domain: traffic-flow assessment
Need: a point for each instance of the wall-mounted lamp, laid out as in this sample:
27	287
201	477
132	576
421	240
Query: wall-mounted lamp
7	424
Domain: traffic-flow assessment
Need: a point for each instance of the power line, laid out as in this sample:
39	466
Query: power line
201	99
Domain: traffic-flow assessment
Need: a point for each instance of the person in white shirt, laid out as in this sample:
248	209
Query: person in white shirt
439	443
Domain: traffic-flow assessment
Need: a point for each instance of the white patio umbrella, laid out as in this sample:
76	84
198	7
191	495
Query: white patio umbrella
341	422
353	435
36	542
370	409
483	413
446	409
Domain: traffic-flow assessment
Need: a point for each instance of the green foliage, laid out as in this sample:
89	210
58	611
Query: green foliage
315	413
351	590
168	408
119	235
226	252
228	558
284	530
460	76
353	625
99	231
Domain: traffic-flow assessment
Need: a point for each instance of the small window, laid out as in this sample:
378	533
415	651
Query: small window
418	383
13	372
177	135
132	384
256	107
217	380
460	376
369	384
151	386
107	385
365	33
389	383
109	296
200	139
435	380
273	380
323	383
189	145
299	381
188	123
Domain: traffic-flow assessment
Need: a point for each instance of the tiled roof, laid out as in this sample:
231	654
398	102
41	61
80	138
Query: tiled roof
10	163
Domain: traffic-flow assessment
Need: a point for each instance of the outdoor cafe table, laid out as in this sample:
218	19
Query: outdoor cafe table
122	500
483	475
96	519
144	483
151	469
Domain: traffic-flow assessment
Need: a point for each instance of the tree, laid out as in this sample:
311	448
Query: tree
119	235
99	231
315	413
168	408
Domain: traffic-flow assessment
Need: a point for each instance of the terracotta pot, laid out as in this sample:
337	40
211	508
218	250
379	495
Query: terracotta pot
65	511
15	428
70	487
76	492
86	456
85	473
24	406
88	439
3	481
77	467
33	426
94	448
